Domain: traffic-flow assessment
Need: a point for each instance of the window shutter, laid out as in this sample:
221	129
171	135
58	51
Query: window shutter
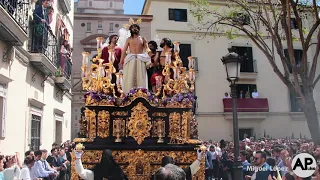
184	15
171	14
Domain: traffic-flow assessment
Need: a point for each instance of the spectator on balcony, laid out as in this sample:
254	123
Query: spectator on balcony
255	94
41	27
64	55
50	12
241	94
226	96
247	96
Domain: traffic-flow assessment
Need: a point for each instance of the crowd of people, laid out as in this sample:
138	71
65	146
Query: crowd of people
275	155
38	165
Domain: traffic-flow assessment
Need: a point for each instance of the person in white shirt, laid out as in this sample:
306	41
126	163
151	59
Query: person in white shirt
226	96
106	169
25	171
255	94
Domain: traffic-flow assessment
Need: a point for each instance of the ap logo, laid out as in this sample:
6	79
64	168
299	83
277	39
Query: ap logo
304	165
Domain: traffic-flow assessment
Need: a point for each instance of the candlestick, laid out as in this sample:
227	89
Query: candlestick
176	46
191	62
102	72
85	58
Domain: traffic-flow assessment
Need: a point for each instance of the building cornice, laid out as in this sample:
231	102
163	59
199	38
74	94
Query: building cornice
86	41
22	55
118	17
293	115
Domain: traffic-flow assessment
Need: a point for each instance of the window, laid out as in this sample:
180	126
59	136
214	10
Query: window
99	24
185	52
297	56
90	3
111	27
293	23
3	110
35	132
248	64
178	15
88	26
295	102
243	88
243	19
111	4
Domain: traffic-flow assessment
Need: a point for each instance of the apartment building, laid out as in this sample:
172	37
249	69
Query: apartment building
94	19
275	113
35	96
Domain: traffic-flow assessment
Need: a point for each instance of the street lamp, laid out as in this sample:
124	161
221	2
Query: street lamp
232	62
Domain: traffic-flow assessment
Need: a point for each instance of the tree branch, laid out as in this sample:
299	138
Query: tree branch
315	61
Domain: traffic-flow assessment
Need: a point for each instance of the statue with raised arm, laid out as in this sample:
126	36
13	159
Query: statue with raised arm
135	59
106	169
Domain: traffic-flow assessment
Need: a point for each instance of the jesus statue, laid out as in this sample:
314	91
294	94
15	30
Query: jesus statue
135	60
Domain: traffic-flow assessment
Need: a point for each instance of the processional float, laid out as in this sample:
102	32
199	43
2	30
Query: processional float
140	127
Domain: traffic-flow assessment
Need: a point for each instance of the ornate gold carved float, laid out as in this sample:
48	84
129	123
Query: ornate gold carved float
142	127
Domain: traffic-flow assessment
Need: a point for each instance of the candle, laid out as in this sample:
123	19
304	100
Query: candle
85	58
118	78
191	62
169	58
101	72
98	43
176	46
174	73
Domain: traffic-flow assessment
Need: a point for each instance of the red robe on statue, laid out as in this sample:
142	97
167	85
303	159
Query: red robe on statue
105	56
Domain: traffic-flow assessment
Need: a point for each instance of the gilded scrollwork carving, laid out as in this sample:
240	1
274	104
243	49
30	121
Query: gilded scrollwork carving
91	156
118	129
175	128
92	123
140	164
159	114
185	125
139	125
103	124
120	113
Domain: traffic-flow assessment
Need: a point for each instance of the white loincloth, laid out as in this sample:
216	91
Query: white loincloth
135	71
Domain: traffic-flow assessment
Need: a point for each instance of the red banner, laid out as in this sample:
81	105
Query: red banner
247	105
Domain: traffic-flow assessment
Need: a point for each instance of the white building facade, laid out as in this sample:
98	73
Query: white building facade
275	113
35	102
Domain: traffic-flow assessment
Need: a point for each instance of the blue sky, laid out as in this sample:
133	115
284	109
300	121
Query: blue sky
131	6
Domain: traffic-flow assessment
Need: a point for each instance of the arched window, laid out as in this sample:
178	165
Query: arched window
111	4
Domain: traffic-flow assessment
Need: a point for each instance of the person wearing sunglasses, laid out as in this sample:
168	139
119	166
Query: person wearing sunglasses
262	170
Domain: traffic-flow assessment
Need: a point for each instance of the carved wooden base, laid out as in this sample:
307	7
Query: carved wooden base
139	164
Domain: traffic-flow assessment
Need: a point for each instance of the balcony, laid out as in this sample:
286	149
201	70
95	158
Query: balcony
63	75
247	105
249	72
65	5
14	21
44	50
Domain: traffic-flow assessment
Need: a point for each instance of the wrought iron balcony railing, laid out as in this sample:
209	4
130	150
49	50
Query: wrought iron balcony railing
45	42
65	65
18	10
